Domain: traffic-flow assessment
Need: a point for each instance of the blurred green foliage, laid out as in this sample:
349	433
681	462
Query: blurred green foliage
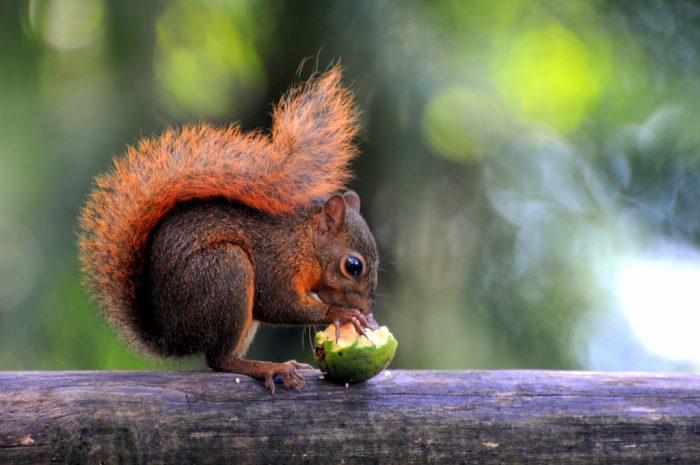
517	157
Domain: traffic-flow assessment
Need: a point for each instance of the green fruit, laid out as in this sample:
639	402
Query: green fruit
354	358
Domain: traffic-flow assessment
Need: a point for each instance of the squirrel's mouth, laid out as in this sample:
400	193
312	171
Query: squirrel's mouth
335	298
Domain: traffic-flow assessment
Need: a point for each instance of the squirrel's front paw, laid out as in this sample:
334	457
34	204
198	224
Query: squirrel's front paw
338	316
291	378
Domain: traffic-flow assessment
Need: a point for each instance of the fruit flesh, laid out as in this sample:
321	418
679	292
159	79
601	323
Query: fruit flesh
354	358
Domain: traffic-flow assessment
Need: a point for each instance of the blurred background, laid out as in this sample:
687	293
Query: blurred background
531	169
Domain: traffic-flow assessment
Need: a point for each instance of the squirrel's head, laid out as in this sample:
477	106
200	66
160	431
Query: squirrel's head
346	252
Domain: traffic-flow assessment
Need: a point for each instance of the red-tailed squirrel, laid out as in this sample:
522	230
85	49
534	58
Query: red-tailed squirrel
197	235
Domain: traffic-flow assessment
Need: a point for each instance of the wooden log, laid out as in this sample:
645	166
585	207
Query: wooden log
410	417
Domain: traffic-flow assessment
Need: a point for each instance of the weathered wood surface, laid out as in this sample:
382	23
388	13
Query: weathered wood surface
410	417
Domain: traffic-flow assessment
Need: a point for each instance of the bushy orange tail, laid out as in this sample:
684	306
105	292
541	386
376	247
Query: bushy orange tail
306	157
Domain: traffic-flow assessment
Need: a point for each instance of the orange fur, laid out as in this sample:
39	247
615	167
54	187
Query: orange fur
306	157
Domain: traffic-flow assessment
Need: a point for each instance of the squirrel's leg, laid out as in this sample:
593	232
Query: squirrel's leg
291	378
226	354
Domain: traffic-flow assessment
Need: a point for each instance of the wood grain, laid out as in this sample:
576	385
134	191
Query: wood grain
411	417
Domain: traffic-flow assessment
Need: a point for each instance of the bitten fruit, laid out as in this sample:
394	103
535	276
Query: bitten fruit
353	358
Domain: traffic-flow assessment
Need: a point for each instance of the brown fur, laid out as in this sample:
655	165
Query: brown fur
196	236
306	157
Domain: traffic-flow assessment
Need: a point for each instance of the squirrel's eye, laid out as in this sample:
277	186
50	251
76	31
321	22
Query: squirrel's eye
352	266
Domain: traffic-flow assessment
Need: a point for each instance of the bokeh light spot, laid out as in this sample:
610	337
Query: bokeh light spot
660	300
458	121
67	24
206	57
547	75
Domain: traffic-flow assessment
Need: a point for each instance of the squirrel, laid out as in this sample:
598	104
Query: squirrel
196	236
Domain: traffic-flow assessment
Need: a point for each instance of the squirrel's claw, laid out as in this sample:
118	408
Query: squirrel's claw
372	322
270	381
360	321
336	323
301	366
291	378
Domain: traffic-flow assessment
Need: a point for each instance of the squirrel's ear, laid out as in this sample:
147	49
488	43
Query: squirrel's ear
352	199
333	213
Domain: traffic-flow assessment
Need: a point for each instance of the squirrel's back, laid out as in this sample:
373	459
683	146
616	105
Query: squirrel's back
306	157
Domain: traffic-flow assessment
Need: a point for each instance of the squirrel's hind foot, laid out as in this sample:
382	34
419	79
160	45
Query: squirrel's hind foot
288	371
268	371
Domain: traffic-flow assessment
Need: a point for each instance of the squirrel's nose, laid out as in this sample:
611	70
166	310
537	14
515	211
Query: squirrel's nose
365	307
360	302
370	304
